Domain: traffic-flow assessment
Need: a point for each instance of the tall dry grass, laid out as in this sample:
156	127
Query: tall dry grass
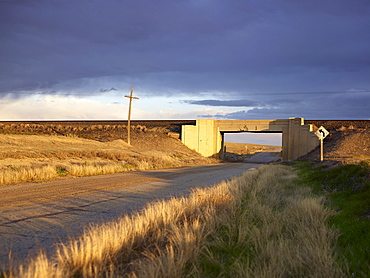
22	173
258	225
13	174
84	167
277	230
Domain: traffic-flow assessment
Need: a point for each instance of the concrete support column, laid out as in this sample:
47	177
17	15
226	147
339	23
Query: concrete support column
206	137
285	143
190	136
222	146
298	139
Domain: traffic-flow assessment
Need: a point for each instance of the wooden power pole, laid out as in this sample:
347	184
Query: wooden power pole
129	116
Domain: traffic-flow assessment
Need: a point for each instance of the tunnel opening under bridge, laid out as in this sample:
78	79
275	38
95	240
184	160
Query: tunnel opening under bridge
258	147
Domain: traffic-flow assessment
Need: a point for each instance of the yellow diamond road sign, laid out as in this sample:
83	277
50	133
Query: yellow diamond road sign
321	133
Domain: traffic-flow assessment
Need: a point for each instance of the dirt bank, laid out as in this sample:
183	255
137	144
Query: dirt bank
348	142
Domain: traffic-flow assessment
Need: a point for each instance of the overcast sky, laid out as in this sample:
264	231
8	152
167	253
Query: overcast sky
186	59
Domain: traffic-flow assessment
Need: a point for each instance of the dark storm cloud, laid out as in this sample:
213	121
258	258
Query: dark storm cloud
108	90
260	100
48	42
185	47
230	103
326	106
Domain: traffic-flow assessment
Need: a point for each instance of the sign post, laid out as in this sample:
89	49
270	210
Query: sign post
321	133
129	116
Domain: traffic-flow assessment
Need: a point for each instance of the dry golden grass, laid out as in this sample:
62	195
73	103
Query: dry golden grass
279	228
12	174
43	157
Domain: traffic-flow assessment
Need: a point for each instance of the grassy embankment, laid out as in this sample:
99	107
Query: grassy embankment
43	157
260	224
347	189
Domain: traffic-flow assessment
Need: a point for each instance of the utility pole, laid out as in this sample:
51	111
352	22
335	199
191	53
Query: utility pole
129	116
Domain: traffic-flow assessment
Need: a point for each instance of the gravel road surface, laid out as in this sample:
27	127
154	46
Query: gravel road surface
36	216
265	157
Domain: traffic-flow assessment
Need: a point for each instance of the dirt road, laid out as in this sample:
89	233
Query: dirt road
265	157
38	215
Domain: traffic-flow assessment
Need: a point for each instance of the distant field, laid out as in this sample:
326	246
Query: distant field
246	148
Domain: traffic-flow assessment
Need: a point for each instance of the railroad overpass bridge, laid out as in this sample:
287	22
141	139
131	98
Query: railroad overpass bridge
207	135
